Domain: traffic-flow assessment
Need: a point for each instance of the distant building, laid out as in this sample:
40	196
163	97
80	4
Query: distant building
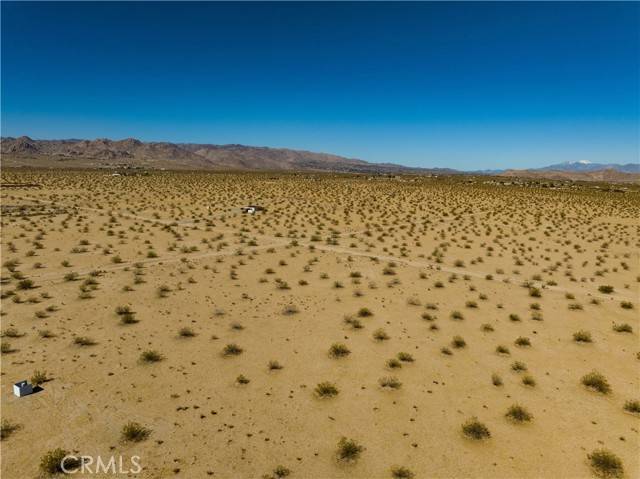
22	388
251	209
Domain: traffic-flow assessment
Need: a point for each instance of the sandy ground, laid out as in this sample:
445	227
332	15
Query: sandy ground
528	262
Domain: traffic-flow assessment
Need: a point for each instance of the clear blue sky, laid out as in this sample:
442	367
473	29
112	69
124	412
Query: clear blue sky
462	85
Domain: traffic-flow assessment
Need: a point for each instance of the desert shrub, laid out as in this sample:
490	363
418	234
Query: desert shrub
405	357
280	471
151	356
582	336
502	350
380	335
186	333
626	305
7	428
400	472
274	366
496	380
514	317
135	432
622	328
535	292
597	382
349	450
71	276
242	379
518	366
458	342
522	341
120	310
528	381
290	310
632	406
326	389
128	318
413	301
364	312
605	289
606	464
487	328
390	382
52	462
393	363
163	291
355	323
518	413
25	284
446	351
38	378
339	350
232	349
536	316
11	333
457	315
474	429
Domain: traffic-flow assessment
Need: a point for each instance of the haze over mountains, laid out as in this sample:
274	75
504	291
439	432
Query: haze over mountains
130	152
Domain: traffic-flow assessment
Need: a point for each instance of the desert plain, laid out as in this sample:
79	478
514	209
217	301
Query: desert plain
360	327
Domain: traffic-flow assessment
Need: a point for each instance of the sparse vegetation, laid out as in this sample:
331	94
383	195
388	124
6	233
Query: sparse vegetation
392	298
326	389
151	356
582	336
632	406
232	349
596	382
517	413
56	461
349	450
135	432
606	464
476	430
339	350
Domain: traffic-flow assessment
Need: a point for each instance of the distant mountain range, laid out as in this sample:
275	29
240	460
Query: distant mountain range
105	153
588	166
606	175
582	171
133	153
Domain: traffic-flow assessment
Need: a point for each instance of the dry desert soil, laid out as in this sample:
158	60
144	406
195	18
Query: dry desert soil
358	328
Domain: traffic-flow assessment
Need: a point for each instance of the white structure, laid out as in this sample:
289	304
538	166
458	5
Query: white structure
22	388
251	209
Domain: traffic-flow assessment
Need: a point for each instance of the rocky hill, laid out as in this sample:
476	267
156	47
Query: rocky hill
131	153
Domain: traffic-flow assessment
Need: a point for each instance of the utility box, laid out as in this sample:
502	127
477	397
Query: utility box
22	388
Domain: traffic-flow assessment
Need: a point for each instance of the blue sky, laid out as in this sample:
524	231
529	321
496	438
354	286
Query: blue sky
461	85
